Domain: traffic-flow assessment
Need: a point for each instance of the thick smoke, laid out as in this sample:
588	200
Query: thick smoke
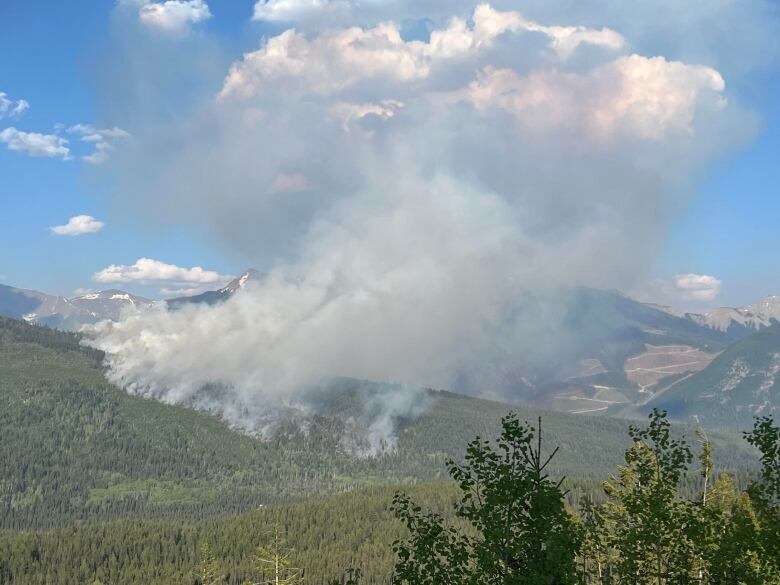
404	197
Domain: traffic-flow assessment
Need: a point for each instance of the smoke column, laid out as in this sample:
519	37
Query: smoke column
403	196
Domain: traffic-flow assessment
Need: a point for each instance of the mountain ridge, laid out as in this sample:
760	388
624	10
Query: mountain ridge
212	297
67	313
605	353
755	316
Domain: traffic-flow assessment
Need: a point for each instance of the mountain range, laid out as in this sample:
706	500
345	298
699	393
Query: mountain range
72	313
611	354
67	313
753	317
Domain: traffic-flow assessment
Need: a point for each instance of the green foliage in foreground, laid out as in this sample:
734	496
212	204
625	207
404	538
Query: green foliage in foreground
646	533
520	531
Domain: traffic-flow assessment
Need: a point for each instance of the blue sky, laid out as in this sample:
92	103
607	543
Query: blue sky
54	55
731	229
47	55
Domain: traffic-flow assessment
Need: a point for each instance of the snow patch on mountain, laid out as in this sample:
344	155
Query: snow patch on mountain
239	283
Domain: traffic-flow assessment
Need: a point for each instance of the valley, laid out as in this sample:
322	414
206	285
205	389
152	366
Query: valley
113	471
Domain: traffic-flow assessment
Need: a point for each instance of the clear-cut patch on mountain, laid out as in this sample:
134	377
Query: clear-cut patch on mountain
661	361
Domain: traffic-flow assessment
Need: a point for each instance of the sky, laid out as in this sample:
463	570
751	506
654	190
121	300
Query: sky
164	147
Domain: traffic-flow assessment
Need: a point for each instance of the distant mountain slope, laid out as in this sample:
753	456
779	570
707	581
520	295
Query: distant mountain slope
74	446
34	306
62	313
212	297
744	319
109	304
581	363
742	382
613	350
586	351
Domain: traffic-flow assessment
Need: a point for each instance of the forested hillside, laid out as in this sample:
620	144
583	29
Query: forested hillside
75	447
329	536
326	537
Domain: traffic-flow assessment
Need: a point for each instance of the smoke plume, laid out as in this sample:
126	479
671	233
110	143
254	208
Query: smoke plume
403	196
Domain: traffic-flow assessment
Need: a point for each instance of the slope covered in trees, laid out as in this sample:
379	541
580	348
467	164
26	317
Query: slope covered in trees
661	520
75	447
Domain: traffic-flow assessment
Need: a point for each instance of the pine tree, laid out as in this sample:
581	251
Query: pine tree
739	557
274	563
207	572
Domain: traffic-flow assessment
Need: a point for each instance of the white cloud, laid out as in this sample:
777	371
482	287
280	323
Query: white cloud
291	10
77	226
339	59
697	287
564	40
292	183
146	270
91	134
35	144
100	154
100	138
11	108
633	95
683	292
174	15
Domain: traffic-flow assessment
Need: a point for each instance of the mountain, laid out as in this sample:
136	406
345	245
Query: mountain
600	352
742	320
75	447
63	313
583	351
620	354
593	351
34	306
740	383
213	297
109	304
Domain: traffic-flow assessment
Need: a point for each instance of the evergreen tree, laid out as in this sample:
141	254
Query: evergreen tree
208	569
274	563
